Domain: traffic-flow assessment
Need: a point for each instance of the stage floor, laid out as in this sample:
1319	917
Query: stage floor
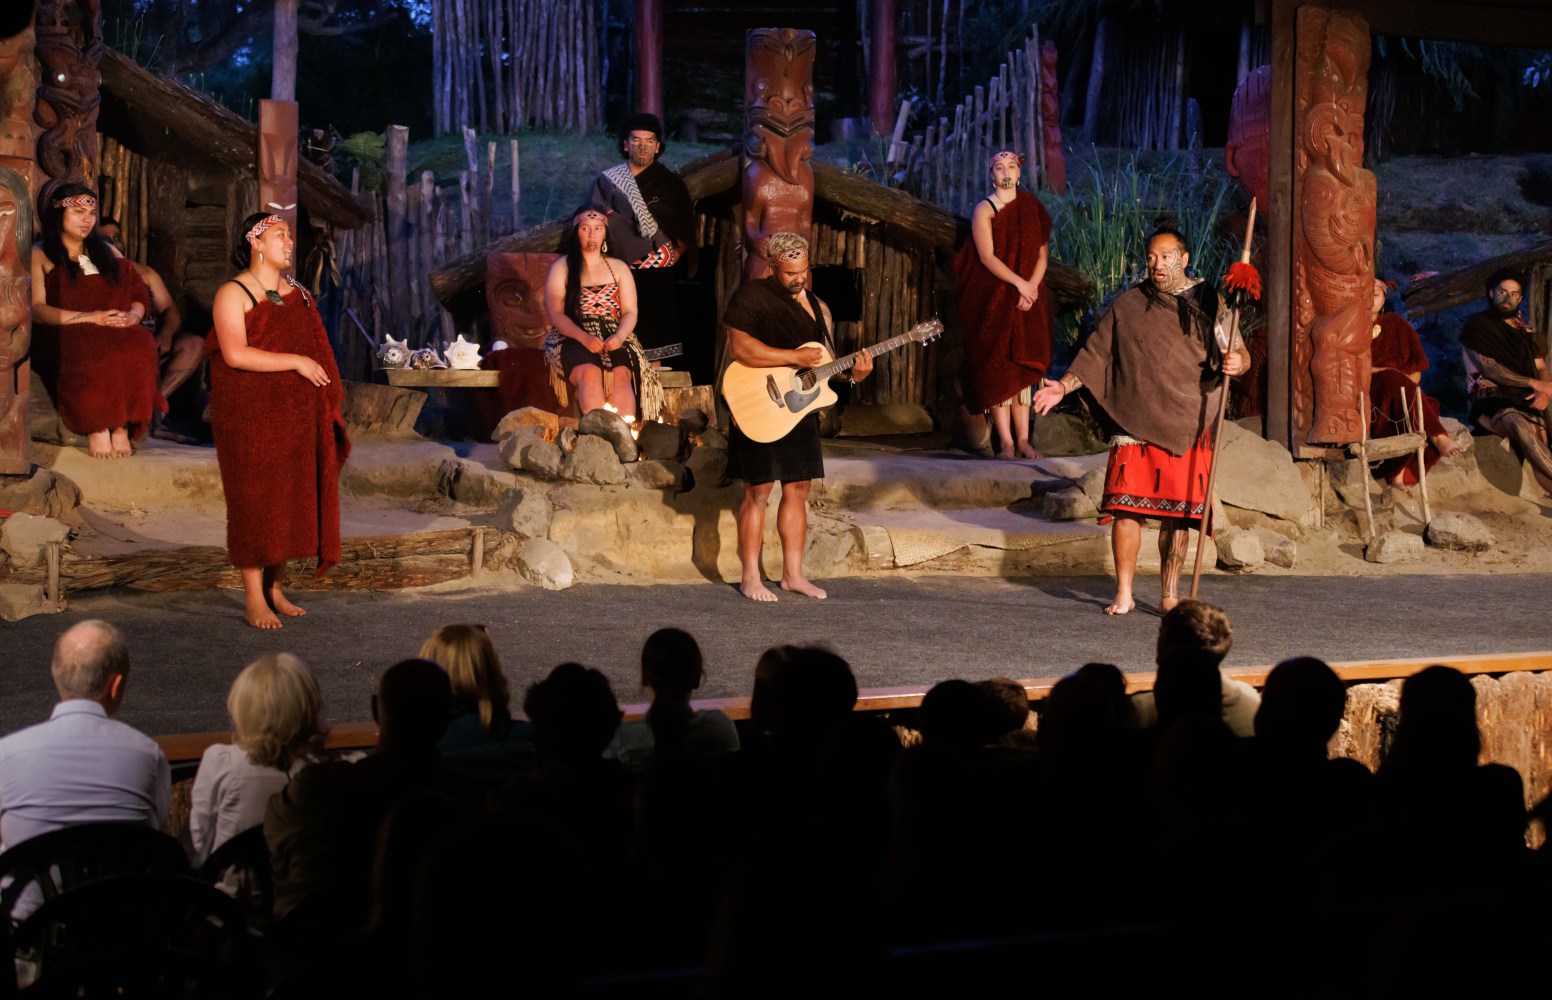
186	647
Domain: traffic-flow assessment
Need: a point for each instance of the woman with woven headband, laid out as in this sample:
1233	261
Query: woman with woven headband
592	349
98	362
275	397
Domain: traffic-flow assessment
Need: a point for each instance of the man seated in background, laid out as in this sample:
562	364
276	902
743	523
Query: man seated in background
1506	378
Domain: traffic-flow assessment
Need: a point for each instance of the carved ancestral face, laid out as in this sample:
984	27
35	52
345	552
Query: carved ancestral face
1167	260
642	147
514	295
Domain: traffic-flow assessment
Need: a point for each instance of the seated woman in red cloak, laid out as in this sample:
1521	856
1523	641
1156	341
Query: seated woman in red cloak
1398	365
275	396
98	362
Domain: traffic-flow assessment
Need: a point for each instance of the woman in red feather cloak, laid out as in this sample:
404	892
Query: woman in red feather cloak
275	414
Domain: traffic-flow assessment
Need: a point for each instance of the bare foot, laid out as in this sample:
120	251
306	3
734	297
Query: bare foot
260	616
1447	446
798	585
1121	605
1027	450
99	444
277	600
1166	604
756	590
121	445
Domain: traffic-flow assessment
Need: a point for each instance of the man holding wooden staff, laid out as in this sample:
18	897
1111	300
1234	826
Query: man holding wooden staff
1156	365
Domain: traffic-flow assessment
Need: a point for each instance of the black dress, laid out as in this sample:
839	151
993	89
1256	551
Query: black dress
765	311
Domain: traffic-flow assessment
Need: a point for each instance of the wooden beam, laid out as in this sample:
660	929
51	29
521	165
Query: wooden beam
1279	215
1445	291
1522	24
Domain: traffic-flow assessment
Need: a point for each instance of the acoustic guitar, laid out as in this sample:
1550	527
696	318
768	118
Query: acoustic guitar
768	402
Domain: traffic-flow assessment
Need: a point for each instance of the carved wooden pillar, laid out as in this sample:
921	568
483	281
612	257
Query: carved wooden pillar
649	57
277	161
18	98
1248	153
15	320
69	47
1051	121
1333	232
882	15
778	181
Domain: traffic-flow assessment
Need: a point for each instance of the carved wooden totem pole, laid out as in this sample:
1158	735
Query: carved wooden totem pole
1248	155
1334	199
278	140
69	47
1051	119
15	320
778	184
18	97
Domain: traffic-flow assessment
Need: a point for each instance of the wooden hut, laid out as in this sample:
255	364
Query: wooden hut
178	173
881	261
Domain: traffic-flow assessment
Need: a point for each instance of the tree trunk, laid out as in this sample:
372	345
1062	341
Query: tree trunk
283	75
881	76
1102	32
649	56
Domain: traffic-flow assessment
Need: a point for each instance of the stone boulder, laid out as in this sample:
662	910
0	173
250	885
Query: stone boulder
1092	483
693	420
660	442
1238	548
1453	530
373	410
524	511
707	466
540	561
1068	504
1065	434
1280	550
712	438
26	537
593	461
43	492
511	447
657	475
613	428
23	600
543	459
1257	474
880	419
1394	547
532	416
566	440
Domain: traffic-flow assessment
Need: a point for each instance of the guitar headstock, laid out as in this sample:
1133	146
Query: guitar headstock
926	332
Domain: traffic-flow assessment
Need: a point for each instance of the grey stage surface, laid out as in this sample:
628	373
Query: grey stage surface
187	646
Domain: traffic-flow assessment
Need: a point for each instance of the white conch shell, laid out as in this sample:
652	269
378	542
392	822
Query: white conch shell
462	354
394	353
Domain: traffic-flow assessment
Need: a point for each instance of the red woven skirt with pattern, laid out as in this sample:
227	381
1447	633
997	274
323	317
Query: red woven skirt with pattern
1147	480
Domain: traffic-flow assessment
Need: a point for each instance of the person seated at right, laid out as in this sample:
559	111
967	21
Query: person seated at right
98	362
1397	364
591	303
1506	376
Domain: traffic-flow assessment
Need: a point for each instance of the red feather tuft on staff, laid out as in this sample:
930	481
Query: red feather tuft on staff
1243	277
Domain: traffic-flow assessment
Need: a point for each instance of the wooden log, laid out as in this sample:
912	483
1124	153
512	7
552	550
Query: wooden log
397	226
517	190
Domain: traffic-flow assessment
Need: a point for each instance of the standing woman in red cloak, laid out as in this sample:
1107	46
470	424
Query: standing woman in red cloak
98	362
275	414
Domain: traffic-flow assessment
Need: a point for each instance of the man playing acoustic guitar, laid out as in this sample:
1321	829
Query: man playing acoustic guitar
768	322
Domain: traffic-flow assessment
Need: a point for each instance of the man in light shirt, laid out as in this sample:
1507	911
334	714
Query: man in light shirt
82	766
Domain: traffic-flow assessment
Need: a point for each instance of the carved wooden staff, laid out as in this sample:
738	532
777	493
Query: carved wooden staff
1240	285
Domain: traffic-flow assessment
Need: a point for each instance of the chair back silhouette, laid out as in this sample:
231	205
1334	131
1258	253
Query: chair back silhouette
73	856
139	935
241	868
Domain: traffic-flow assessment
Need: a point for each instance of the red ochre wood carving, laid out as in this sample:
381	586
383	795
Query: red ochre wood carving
69	47
18	96
1248	155
778	182
1051	116
278	140
15	320
1334	198
514	295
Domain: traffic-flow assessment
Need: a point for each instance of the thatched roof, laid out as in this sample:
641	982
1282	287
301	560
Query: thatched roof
164	120
904	216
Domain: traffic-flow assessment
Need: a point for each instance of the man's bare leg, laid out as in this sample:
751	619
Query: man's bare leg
274	576
1125	541
1002	432
751	538
792	526
1529	439
1174	542
1021	431
257	611
181	362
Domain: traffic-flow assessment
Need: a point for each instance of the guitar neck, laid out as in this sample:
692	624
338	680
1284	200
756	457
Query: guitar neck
834	368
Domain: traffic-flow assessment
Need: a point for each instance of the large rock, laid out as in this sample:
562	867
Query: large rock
542	562
1280	549
656	475
613	428
1092	483
1065	434
25	538
830	543
1068	504
660	442
511	446
372	410
1257	474
1394	547
22	600
707	466
532	416
693	420
43	492
593	461
566	440
1453	530
712	438
1238	548
881	419
543	459
525	511
473	483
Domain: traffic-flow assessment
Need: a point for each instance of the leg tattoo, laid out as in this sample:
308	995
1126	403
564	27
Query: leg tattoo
1174	541
1526	435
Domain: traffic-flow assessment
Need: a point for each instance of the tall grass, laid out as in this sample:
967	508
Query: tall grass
1100	226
